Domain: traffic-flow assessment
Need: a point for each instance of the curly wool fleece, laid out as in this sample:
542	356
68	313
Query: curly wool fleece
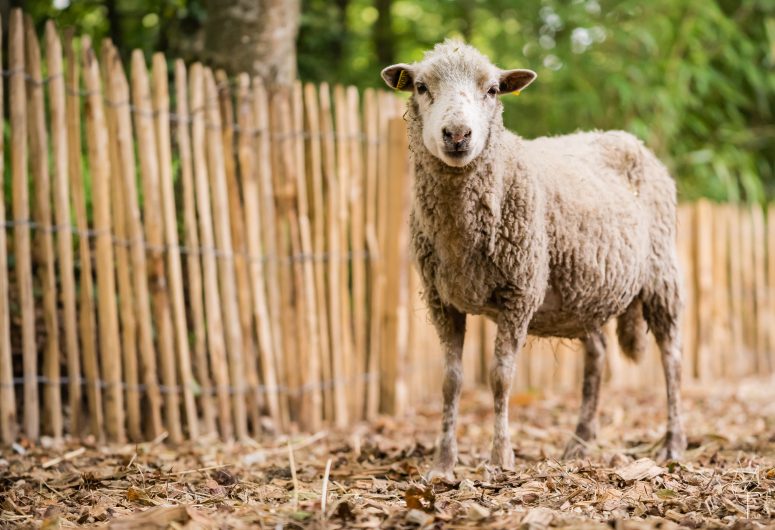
552	236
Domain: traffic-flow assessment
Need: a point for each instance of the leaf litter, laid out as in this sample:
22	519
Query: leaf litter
374	473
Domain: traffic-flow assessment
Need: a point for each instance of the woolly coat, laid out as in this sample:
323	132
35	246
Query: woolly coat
556	235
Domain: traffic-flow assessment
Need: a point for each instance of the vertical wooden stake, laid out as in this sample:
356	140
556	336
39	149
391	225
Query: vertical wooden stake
215	336
218	185
154	231
21	217
191	238
110	350
236	220
62	214
126	172
250	192
161	109
87	327
317	203
7	393
123	274
334	258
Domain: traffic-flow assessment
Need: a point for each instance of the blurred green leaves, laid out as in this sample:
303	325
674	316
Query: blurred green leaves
695	79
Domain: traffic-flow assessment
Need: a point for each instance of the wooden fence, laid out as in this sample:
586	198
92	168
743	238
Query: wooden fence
202	256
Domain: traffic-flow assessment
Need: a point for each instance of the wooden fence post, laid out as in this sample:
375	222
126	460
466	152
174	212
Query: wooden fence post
392	357
7	393
110	350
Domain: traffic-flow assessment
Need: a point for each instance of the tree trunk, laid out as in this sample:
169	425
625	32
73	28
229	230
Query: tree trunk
253	36
383	34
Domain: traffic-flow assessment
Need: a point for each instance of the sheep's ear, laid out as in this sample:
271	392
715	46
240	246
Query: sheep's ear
399	76
515	80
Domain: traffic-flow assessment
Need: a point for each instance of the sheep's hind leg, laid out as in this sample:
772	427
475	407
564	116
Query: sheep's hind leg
508	342
451	326
586	429
661	311
675	439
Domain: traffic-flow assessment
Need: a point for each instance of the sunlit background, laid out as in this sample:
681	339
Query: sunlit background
695	79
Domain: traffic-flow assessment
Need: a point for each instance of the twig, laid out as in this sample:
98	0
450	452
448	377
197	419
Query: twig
187	471
292	463
324	491
262	454
66	456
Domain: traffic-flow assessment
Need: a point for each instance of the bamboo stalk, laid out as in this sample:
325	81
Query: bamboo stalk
704	282
87	327
236	219
357	246
293	300
269	235
758	235
771	278
154	232
375	285
123	274
334	252
191	239
344	176
110	351
7	392
62	215
391	398
127	171
161	108
21	216
250	192
215	335
317	204
44	241
313	369
223	243
736	288
289	313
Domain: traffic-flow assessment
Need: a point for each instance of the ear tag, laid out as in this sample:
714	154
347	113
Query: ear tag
516	92
403	77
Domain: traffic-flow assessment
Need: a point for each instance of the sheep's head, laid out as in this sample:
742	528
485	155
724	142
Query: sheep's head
454	92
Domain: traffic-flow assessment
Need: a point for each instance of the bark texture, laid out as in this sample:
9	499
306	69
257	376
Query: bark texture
253	36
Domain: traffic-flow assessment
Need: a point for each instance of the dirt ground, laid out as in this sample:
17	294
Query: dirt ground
375	480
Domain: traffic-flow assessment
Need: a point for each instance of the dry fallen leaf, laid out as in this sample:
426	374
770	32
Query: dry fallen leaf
644	468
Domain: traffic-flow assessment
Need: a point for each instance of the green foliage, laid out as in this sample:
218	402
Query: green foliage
695	79
692	78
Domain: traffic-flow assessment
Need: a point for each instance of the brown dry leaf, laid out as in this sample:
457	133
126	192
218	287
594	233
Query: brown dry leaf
420	498
644	468
419	517
476	512
156	517
537	519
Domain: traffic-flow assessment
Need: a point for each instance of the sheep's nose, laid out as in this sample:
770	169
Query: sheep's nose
456	137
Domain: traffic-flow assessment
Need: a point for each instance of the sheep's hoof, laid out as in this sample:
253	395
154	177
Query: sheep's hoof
438	473
574	449
673	447
502	457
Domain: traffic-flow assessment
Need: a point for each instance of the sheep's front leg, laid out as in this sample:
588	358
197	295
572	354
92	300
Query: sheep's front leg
508	342
451	326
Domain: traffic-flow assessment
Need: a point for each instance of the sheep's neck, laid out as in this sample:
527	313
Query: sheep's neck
461	205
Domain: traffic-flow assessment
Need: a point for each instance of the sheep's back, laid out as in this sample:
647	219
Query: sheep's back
600	226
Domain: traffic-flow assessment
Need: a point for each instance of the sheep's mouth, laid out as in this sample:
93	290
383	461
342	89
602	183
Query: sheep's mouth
456	153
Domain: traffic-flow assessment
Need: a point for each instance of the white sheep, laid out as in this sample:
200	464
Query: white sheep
553	237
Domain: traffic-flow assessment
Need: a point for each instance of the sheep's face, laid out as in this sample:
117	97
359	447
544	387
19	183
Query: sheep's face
454	92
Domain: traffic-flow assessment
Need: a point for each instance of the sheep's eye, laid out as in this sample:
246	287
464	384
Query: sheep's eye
492	91
421	88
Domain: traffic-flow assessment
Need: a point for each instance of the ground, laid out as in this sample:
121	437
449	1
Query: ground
726	479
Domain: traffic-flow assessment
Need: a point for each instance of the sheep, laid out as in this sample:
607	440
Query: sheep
553	237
